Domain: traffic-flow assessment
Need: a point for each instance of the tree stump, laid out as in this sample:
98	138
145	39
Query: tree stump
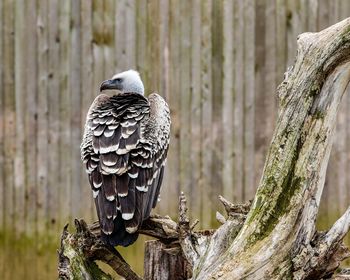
164	261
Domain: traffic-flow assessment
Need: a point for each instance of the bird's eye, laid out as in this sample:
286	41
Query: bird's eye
119	80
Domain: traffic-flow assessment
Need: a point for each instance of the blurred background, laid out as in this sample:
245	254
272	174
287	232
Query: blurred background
217	63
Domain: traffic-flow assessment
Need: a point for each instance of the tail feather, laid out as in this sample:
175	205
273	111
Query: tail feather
119	236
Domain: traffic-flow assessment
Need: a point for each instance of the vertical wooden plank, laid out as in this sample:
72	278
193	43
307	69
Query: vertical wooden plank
323	14
108	37
206	116
238	101
173	163
163	70
249	93
65	111
74	90
228	100
152	77
294	28
9	113
42	134
185	98
196	110
334	11
88	92
270	64
141	36
121	25
131	34
53	118
2	125
312	15
164	87
20	82
31	118
217	97
281	39
97	47
260	137
9	118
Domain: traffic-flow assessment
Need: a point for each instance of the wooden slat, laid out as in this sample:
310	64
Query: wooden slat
74	102
130	12
249	98
65	112
87	93
31	118
152	76
238	102
196	110
260	116
323	14
9	113
185	98
281	39
164	86
20	91
42	133
108	38
172	182
97	46
228	100
53	190
205	182
141	37
2	125
217	97
312	15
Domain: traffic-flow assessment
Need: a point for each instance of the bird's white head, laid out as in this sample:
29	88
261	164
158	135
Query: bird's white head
128	81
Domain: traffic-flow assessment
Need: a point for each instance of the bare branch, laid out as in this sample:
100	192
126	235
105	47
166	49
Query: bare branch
232	209
185	239
339	229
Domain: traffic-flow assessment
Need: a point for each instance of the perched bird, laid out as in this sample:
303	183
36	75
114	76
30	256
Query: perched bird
124	148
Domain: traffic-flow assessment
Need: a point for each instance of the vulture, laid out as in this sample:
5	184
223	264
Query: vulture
124	149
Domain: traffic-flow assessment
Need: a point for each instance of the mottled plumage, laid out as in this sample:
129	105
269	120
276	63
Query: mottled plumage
124	149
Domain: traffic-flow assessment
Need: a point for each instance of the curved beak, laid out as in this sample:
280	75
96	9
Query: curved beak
109	84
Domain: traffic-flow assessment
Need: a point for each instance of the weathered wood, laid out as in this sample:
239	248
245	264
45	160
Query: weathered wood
78	252
42	133
74	84
238	111
228	100
278	237
65	112
88	94
249	102
20	90
53	193
195	106
165	262
205	181
9	126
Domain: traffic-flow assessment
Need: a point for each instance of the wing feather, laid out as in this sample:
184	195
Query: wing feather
124	163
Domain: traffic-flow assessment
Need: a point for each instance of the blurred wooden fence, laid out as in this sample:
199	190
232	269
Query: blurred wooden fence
218	63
